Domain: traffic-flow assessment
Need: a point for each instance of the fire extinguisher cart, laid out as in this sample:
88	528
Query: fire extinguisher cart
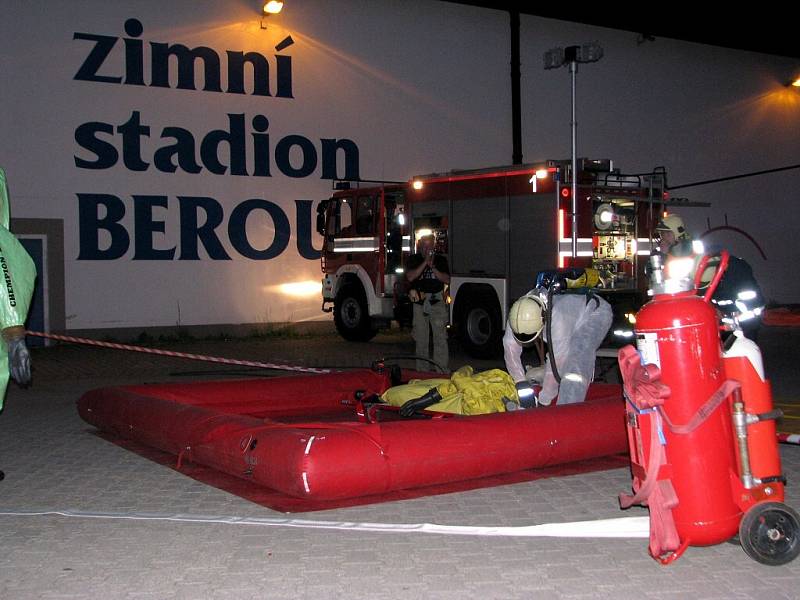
701	429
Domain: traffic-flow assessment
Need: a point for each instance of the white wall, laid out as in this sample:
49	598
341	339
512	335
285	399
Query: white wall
418	86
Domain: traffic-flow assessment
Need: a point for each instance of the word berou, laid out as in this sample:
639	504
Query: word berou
201	224
240	149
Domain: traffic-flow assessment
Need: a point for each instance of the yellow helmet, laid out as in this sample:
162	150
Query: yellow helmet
526	319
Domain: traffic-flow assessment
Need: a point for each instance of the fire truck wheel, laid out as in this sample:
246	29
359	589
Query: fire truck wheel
479	326
770	533
351	315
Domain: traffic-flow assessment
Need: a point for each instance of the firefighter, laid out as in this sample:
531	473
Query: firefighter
428	273
738	296
673	237
19	276
574	325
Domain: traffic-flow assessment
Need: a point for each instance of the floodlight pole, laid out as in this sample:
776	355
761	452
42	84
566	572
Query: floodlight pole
553	59
573	69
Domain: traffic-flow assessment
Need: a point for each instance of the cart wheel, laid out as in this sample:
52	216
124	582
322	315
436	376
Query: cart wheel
769	533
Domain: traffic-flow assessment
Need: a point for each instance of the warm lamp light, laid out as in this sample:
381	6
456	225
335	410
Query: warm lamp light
273	7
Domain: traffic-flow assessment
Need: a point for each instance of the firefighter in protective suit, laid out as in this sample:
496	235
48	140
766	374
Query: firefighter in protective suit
16	291
578	322
738	296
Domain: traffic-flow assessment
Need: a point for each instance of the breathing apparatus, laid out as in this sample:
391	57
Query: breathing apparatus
560	281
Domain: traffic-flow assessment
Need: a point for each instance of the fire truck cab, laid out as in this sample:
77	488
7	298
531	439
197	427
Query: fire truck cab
498	228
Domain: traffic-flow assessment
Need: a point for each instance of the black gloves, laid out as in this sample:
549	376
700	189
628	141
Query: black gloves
429	398
19	360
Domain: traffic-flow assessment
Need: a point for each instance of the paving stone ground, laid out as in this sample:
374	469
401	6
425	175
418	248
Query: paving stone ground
54	462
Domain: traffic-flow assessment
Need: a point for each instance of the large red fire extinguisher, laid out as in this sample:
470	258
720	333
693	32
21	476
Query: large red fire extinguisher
698	458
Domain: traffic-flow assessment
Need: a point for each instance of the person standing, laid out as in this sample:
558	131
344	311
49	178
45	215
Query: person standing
16	291
673	237
738	296
428	273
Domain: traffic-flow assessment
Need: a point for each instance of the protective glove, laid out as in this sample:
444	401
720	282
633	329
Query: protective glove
535	374
429	398
19	359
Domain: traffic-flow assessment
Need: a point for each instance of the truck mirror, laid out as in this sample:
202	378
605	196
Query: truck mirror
322	208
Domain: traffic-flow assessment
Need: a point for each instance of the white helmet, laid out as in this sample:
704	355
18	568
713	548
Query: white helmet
526	319
673	223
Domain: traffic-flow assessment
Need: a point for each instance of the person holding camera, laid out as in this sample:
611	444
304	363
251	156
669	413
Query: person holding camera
428	273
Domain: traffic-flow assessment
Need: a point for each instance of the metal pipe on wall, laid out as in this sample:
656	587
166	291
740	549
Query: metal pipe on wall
516	102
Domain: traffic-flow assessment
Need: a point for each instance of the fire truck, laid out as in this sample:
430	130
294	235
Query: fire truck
498	228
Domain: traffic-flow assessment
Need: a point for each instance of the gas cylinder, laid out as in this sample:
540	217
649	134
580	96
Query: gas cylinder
762	473
701	430
678	332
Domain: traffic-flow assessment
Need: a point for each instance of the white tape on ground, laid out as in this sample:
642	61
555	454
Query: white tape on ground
623	527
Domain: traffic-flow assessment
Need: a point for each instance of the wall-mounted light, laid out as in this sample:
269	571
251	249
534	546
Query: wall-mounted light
273	7
795	82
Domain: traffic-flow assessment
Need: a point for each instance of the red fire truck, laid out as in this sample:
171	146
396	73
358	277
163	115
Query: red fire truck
498	228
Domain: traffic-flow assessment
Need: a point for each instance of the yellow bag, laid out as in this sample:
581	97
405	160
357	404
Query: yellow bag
588	279
465	393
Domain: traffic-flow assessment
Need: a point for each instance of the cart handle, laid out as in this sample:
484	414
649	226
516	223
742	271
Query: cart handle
712	287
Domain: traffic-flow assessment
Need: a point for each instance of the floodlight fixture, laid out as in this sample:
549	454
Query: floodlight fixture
586	53
273	7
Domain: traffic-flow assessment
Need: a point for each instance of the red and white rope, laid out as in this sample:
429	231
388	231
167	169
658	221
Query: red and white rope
789	438
213	359
786	438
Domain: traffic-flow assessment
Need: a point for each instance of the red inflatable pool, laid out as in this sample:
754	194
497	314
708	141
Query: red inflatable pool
318	437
